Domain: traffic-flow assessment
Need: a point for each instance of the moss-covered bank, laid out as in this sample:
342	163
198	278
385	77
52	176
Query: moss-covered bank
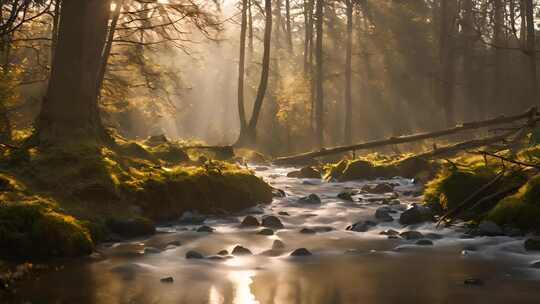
61	201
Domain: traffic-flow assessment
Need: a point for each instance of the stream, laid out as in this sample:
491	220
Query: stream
345	266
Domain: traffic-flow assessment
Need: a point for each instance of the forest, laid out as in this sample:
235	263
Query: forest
250	151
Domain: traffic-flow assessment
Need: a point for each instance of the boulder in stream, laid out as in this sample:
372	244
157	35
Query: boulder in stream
271	221
167	280
424	242
411	235
239	251
361	226
383	214
347	195
301	252
250	221
312	199
378	188
192	254
306	172
266	231
278	244
415	215
206	229
489	228
532	244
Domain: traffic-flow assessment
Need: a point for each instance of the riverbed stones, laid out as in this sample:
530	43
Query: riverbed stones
532	244
192	254
307	231
278	244
205	229
415	215
378	188
362	226
424	242
266	231
271	221
223	252
312	199
411	235
284	213
168	280
301	252
346	195
489	228
151	250
383	214
250	221
240	251
389	232
306	172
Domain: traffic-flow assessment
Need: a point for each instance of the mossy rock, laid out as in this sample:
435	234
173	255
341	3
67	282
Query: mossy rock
452	186
37	228
521	210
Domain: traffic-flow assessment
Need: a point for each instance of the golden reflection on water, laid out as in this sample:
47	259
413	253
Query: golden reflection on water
241	281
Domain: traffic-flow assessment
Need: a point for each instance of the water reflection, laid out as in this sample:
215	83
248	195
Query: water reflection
242	281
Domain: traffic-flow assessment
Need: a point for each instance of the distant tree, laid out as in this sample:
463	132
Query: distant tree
319	102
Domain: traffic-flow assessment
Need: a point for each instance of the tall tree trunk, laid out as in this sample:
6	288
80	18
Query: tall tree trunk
250	35
54	33
348	74
241	67
447	58
531	51
106	54
288	25
308	33
319	103
468	60
248	136
70	109
499	85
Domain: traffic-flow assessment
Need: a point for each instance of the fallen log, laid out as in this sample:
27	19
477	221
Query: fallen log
407	138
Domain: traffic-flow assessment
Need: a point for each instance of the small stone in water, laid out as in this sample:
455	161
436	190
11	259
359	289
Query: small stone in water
207	229
223	252
194	255
239	250
174	243
278	244
424	243
308	231
151	250
167	280
473	282
389	232
250	221
284	213
271	221
301	252
535	264
411	235
346	195
310	199
361	226
532	245
266	231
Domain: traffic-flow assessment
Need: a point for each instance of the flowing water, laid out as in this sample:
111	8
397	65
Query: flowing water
346	266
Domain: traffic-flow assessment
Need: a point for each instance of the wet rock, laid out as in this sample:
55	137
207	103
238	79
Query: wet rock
278	193
389	232
278	244
512	232
239	251
393	237
383	214
307	231
266	231
272	252
346	195
192	254
151	250
284	213
250	221
301	252
433	236
192	218
173	244
311	199
216	258
535	264
473	282
362	226
532	244
378	189
415	215
206	229
271	221
424	242
307	172
411	235
489	228
167	280
223	252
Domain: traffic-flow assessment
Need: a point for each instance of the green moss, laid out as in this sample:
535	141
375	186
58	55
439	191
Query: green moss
522	209
37	228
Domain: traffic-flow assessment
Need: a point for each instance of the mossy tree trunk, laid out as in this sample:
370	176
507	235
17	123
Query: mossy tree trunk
70	109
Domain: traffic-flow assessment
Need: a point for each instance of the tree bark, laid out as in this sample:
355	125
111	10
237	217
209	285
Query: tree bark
248	136
348	74
108	45
319	103
499	43
241	67
288	25
70	110
447	58
468	59
531	51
